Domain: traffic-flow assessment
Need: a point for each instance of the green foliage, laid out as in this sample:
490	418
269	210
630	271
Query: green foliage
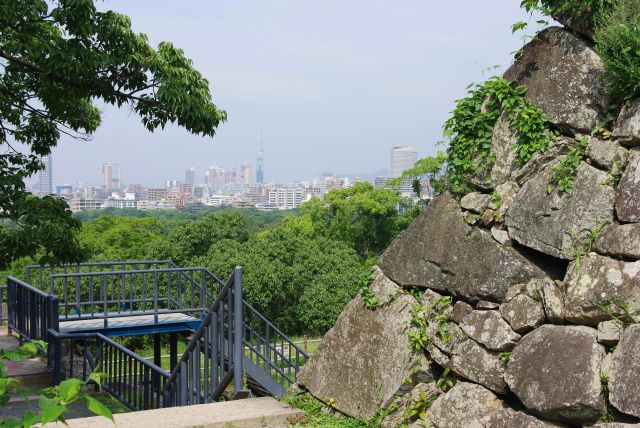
618	44
470	130
317	418
582	244
54	401
430	318
619	311
446	381
188	239
589	11
504	356
429	168
369	299
300	283
59	60
565	172
365	218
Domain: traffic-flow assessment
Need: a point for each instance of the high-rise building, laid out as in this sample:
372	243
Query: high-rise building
190	175
246	174
402	158
259	164
214	178
45	183
111	177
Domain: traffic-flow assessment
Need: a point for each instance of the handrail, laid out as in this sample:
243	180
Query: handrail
28	287
217	345
77	266
30	311
274	328
135	381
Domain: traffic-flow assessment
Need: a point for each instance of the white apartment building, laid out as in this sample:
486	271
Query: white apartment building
286	198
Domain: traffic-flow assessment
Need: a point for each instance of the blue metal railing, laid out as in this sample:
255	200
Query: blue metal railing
134	381
233	337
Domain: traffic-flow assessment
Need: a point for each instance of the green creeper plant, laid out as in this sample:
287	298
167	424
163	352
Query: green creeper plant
58	60
565	172
470	130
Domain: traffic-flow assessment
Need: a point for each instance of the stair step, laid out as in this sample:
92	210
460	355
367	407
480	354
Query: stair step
32	373
251	412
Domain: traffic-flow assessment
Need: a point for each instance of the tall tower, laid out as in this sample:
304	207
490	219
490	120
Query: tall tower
259	163
45	185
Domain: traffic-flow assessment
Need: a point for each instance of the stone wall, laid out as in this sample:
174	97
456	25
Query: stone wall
534	297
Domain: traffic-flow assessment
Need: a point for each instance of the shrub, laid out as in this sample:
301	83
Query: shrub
618	44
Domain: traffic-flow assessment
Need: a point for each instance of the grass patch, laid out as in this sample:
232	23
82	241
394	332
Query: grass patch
317	418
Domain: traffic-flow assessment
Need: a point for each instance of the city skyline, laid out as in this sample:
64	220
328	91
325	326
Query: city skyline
322	99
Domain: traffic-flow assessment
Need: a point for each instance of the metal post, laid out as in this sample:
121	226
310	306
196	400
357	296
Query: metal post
173	351
238	324
157	354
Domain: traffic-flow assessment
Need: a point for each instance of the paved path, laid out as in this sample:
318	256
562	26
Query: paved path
248	413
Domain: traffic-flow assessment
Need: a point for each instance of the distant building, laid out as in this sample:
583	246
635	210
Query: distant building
111	177
190	176
246	174
214	178
115	201
157	194
82	204
64	190
286	198
380	182
45	183
402	158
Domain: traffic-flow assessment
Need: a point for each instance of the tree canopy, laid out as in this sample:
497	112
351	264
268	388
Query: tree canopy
59	61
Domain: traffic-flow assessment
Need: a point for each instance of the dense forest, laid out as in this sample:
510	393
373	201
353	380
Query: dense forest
301	267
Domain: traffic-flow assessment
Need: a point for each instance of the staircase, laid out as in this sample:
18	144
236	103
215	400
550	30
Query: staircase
231	342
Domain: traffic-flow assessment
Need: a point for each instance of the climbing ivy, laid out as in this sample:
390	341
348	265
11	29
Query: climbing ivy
432	316
470	129
565	172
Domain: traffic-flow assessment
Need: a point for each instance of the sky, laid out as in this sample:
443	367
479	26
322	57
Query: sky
330	85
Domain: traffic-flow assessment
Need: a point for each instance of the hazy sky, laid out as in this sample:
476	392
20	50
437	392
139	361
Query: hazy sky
332	84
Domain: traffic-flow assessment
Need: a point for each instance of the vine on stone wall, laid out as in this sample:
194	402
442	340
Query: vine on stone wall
470	129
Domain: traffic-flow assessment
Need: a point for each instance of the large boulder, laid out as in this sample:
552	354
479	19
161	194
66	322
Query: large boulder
555	372
547	221
598	281
624	376
563	75
628	199
434	253
620	240
465	405
627	127
363	361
